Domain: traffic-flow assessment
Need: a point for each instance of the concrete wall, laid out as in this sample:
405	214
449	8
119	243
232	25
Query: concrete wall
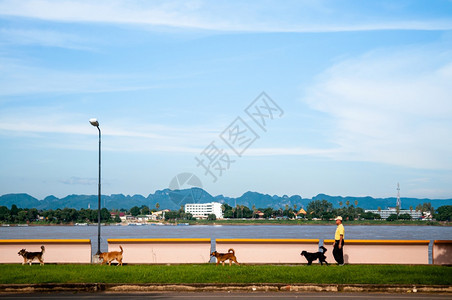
381	251
252	251
56	251
442	252
268	251
162	251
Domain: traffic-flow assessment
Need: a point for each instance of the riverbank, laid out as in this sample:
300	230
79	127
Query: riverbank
251	222
309	222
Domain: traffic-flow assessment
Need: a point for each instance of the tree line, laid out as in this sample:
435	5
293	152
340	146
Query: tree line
17	215
317	209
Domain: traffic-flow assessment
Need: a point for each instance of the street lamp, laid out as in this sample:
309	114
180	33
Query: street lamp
95	123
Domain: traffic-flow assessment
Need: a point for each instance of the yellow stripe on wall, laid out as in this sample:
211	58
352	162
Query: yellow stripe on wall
267	240
47	241
175	240
389	242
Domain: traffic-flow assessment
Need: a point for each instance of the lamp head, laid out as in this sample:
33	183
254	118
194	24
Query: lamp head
94	122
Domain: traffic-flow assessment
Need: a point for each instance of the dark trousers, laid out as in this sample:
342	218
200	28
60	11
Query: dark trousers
338	253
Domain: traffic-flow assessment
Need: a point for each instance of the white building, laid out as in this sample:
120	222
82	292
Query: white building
202	210
385	213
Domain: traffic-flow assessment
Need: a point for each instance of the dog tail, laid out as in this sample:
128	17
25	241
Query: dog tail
43	249
323	248
231	251
121	249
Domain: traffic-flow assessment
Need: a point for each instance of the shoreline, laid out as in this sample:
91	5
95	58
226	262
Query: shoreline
249	223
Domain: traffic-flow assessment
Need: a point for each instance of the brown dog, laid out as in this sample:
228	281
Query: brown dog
30	256
110	256
222	257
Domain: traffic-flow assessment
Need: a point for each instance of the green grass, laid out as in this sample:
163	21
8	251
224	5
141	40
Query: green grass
209	273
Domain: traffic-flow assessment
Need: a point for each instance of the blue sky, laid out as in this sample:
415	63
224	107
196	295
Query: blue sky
364	91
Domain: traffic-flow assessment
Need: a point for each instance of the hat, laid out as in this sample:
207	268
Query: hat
338	218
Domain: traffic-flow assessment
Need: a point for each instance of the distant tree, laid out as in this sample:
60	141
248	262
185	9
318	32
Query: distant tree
22	216
211	217
157	206
340	203
419	207
145	210
327	215
105	215
404	217
369	216
356	202
171	215
347	202
135	211
427	207
227	212
268	212
317	207
4	214
13	211
189	216
392	217
289	213
444	213
117	219
32	214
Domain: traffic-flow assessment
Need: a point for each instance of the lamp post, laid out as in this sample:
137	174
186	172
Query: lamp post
95	123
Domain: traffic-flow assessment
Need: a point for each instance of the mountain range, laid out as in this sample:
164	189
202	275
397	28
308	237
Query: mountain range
174	199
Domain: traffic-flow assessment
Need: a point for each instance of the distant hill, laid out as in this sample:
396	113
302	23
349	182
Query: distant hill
175	199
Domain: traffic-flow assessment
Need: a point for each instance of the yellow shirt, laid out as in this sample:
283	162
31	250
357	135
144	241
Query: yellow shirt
339	230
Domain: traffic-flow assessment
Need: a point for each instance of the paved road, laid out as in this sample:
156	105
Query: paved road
233	295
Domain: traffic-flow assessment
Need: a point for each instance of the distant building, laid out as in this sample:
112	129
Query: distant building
301	212
202	210
385	213
159	214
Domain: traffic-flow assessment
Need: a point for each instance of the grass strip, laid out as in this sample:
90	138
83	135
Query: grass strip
209	273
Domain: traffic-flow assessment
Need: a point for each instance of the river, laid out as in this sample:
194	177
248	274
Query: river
321	232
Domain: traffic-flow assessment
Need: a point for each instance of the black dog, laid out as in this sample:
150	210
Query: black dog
310	257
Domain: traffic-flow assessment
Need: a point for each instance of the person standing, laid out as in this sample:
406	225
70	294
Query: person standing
338	250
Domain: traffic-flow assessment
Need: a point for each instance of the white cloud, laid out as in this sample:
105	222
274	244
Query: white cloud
56	129
16	78
390	106
49	38
273	16
80	181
